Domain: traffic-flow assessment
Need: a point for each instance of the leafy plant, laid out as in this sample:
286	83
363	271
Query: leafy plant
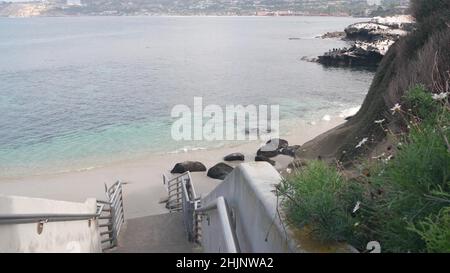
400	200
435	231
318	196
420	102
419	169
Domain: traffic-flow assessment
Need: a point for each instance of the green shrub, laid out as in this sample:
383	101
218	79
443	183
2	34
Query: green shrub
435	231
318	196
420	102
420	168
404	199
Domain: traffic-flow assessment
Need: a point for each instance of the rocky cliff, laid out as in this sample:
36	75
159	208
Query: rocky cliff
421	57
371	41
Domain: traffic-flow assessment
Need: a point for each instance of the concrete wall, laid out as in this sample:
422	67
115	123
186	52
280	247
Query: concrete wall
69	236
249	192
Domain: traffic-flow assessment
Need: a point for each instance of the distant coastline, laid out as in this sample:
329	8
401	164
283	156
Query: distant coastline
199	8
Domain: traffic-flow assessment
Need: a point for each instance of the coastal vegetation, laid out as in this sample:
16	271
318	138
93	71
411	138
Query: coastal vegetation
384	176
400	198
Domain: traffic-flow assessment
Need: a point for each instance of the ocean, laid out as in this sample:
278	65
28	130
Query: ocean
81	92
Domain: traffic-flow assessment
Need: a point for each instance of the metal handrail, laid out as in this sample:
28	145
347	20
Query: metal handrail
182	197
175	177
174	187
116	216
230	239
50	217
112	220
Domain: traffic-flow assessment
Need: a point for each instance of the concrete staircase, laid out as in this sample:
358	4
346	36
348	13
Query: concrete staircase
158	233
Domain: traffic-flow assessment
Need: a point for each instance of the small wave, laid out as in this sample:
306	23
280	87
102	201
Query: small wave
187	149
85	169
326	118
349	112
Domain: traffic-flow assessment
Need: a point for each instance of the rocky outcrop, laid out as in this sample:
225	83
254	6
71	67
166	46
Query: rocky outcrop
374	31
219	171
371	41
356	55
333	35
422	57
234	157
192	166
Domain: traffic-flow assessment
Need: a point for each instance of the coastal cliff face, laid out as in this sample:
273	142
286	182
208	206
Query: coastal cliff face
371	39
381	28
422	57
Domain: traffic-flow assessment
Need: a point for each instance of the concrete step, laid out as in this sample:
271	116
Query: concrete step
157	233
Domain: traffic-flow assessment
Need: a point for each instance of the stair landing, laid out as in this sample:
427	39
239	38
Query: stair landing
157	233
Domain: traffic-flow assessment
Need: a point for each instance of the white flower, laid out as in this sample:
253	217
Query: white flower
288	170
440	96
397	107
361	143
388	159
379	121
356	208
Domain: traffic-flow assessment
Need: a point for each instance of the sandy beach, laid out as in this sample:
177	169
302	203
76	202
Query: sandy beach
143	178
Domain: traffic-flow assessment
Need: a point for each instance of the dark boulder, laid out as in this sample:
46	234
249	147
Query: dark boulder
192	166
219	171
290	150
356	55
234	157
273	147
266	159
267	154
278	142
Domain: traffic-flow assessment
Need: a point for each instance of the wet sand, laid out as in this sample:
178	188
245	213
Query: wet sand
143	178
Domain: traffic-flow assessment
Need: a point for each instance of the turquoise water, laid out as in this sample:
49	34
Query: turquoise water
82	92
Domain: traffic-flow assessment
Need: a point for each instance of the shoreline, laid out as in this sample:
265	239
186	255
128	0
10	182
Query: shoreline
143	177
182	16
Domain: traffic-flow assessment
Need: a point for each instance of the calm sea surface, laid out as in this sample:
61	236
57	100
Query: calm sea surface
82	92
